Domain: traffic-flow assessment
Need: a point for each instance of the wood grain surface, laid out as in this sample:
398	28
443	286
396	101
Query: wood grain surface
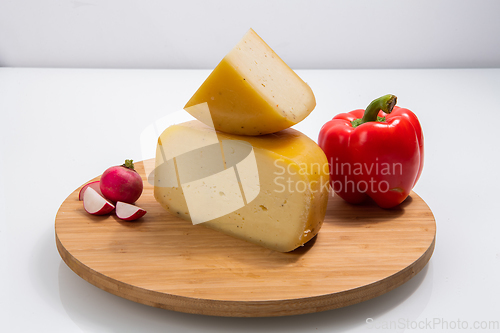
160	260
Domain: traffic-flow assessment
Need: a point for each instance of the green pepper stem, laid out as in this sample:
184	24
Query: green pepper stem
129	164
385	103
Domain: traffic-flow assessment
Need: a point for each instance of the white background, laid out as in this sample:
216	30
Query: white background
63	127
198	33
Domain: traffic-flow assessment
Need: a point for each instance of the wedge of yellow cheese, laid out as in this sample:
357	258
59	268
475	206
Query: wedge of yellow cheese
270	190
253	92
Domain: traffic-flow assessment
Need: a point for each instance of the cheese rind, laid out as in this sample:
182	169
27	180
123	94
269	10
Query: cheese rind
253	92
284	211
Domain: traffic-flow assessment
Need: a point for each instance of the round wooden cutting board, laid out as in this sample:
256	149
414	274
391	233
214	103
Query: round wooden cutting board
160	260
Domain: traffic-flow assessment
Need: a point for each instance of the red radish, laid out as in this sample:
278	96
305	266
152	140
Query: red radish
95	185
95	204
121	183
128	212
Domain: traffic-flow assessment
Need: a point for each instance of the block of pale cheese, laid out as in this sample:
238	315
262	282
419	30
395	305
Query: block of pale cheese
253	92
270	190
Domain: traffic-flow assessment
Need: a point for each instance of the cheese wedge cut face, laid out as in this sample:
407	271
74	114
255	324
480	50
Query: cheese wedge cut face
253	92
269	190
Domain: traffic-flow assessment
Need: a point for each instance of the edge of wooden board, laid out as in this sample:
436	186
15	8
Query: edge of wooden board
222	308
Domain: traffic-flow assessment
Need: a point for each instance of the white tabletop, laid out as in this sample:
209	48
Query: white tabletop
62	127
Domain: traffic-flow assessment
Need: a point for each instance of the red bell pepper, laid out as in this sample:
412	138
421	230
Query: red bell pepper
377	153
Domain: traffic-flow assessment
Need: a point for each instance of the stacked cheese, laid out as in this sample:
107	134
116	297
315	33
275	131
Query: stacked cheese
224	172
253	92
